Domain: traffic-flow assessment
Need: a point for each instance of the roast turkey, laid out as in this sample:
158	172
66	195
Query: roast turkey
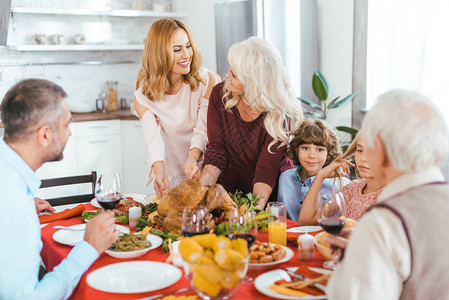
191	194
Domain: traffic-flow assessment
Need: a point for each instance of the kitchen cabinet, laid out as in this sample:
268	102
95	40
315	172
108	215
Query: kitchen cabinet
133	157
99	148
108	147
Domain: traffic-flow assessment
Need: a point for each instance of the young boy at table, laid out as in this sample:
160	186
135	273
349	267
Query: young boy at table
314	145
36	119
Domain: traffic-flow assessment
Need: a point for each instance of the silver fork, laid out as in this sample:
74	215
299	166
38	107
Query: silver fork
167	294
68	228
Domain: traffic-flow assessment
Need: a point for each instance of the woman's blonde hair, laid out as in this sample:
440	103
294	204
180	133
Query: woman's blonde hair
258	66
316	132
157	60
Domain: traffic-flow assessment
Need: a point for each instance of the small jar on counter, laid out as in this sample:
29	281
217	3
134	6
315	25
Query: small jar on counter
305	247
112	95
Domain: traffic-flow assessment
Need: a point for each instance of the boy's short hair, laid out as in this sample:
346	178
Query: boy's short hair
316	132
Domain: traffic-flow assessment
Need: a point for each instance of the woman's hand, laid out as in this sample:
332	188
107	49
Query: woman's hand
161	182
191	168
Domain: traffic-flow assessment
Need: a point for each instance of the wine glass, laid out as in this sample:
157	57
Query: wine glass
195	221
243	226
108	191
331	215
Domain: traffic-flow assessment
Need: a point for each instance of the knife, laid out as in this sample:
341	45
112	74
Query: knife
167	294
300	277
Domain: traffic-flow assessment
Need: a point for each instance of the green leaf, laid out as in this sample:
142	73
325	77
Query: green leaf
320	85
332	102
352	131
310	103
342	101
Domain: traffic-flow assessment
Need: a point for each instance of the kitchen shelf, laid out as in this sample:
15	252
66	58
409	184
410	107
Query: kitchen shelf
88	12
74	47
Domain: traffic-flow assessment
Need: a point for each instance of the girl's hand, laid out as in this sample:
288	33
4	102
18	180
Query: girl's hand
161	184
330	170
192	169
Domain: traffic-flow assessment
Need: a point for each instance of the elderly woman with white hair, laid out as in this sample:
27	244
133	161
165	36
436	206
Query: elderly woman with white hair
249	120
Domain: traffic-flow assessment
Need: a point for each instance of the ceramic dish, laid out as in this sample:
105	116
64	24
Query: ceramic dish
134	277
153	239
266	266
263	281
72	237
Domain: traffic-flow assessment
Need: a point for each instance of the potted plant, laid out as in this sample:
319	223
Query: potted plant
321	89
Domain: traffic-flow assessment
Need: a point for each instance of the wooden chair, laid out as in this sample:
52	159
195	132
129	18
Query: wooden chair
51	182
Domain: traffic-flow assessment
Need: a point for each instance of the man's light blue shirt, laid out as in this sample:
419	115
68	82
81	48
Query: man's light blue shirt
21	243
292	190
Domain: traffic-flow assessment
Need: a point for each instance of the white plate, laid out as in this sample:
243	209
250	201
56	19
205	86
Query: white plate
70	238
264	266
137	197
263	281
304	229
153	239
134	277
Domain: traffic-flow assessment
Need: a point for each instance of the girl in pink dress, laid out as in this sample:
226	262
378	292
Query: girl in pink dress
171	100
359	194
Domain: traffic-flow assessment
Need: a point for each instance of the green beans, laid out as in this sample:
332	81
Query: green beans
130	242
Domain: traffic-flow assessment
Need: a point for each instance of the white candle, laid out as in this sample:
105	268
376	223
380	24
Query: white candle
305	246
134	214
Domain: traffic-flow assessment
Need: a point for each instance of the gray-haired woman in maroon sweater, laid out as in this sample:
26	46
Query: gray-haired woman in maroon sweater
249	120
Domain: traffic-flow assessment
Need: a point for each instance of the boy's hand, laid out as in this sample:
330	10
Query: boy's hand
330	170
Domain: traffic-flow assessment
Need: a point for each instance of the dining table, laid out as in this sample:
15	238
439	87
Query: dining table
53	253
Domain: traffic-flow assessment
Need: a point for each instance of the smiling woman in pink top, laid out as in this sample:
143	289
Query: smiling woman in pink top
171	100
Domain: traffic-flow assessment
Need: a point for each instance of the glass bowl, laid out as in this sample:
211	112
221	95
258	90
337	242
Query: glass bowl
214	282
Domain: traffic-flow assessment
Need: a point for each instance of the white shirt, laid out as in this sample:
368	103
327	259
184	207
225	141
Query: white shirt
377	258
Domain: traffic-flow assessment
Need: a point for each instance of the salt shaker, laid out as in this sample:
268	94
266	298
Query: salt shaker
134	215
305	246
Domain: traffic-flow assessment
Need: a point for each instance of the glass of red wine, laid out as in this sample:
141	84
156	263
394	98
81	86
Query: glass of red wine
243	226
331	216
195	221
108	191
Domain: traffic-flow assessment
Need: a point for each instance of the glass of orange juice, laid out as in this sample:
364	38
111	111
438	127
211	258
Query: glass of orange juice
277	229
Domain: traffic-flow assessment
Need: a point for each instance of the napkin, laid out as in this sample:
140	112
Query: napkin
65	214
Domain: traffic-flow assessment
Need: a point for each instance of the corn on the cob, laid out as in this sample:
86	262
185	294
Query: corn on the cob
213	273
211	289
221	242
227	258
209	253
190	250
206	240
205	260
241	246
230	279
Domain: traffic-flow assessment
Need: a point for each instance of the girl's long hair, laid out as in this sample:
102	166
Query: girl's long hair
157	60
258	65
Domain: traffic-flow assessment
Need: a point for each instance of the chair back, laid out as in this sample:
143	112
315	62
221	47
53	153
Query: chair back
51	182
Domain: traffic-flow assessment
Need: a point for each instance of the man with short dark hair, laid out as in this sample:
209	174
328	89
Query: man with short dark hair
399	248
36	120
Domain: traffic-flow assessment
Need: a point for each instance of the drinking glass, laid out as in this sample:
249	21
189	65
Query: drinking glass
277	229
243	226
195	221
108	191
331	215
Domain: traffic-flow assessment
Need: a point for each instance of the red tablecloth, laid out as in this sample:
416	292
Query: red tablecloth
53	252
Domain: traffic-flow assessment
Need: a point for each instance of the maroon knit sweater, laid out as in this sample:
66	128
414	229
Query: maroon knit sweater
240	148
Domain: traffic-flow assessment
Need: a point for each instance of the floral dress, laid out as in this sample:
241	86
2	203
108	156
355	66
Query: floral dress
356	202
